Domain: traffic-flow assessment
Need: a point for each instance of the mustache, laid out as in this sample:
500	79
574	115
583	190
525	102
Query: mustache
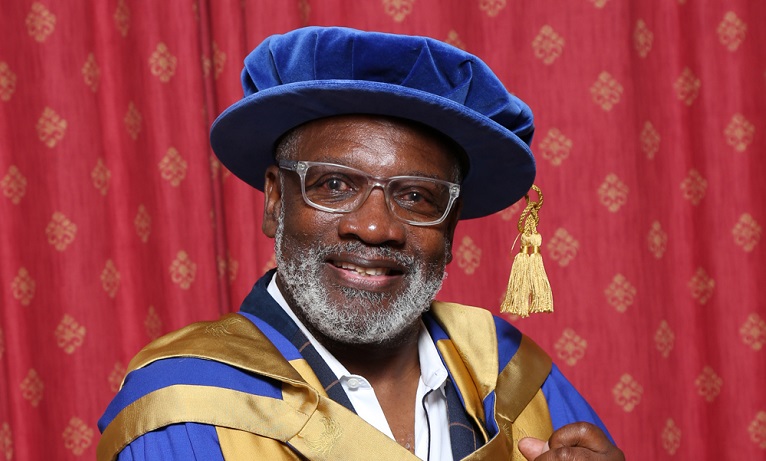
365	251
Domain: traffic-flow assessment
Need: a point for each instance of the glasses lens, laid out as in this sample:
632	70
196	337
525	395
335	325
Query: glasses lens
342	189
418	199
334	187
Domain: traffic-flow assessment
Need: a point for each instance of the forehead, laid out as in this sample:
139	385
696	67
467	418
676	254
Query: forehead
382	146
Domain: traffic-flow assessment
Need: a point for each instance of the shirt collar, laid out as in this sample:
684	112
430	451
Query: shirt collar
432	370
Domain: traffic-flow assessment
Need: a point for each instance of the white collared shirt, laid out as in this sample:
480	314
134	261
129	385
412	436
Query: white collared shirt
432	441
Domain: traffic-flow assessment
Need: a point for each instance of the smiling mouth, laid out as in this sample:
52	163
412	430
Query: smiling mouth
365	271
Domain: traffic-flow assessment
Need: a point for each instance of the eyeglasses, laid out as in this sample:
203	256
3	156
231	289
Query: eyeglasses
340	189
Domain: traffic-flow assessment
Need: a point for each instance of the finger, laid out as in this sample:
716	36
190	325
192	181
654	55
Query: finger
531	447
581	434
570	454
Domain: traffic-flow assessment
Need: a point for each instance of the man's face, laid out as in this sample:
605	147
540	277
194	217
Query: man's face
362	277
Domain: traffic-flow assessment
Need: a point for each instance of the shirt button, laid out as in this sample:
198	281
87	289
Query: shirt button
353	383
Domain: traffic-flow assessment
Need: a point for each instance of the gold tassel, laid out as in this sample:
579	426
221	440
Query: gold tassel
528	288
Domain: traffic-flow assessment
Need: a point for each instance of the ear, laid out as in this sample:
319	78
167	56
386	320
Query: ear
451	223
272	201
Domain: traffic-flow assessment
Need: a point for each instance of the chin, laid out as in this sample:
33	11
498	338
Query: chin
363	335
373	319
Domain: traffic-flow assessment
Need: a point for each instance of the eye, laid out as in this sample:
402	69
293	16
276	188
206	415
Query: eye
419	197
333	184
413	196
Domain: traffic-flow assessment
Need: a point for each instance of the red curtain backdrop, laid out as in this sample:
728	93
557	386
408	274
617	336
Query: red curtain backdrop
118	225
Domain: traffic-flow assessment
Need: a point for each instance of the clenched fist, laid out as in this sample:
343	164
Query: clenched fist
573	442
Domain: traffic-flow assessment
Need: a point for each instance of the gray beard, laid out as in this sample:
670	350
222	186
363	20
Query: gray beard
367	324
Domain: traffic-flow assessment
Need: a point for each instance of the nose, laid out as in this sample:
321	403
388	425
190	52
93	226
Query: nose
373	223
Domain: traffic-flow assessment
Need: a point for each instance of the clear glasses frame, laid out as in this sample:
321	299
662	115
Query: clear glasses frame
356	200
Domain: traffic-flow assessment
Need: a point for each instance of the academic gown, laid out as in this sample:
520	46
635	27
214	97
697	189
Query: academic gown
251	386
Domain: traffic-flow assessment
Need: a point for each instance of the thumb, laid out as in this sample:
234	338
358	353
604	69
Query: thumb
531	447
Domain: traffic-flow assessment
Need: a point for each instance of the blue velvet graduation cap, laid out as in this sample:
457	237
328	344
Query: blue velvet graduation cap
316	72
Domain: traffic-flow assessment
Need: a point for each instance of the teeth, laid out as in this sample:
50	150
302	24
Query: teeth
363	270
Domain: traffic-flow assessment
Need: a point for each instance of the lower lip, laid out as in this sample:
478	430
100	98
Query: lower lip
354	279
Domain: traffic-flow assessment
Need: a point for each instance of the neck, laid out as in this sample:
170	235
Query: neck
393	359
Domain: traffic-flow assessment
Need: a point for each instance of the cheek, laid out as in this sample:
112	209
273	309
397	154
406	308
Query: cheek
433	245
305	223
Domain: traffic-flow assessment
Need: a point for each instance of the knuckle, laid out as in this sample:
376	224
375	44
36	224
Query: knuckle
565	454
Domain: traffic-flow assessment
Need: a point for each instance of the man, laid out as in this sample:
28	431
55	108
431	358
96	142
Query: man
369	148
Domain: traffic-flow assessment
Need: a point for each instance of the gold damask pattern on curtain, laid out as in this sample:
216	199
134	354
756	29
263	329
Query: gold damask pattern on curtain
118	225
